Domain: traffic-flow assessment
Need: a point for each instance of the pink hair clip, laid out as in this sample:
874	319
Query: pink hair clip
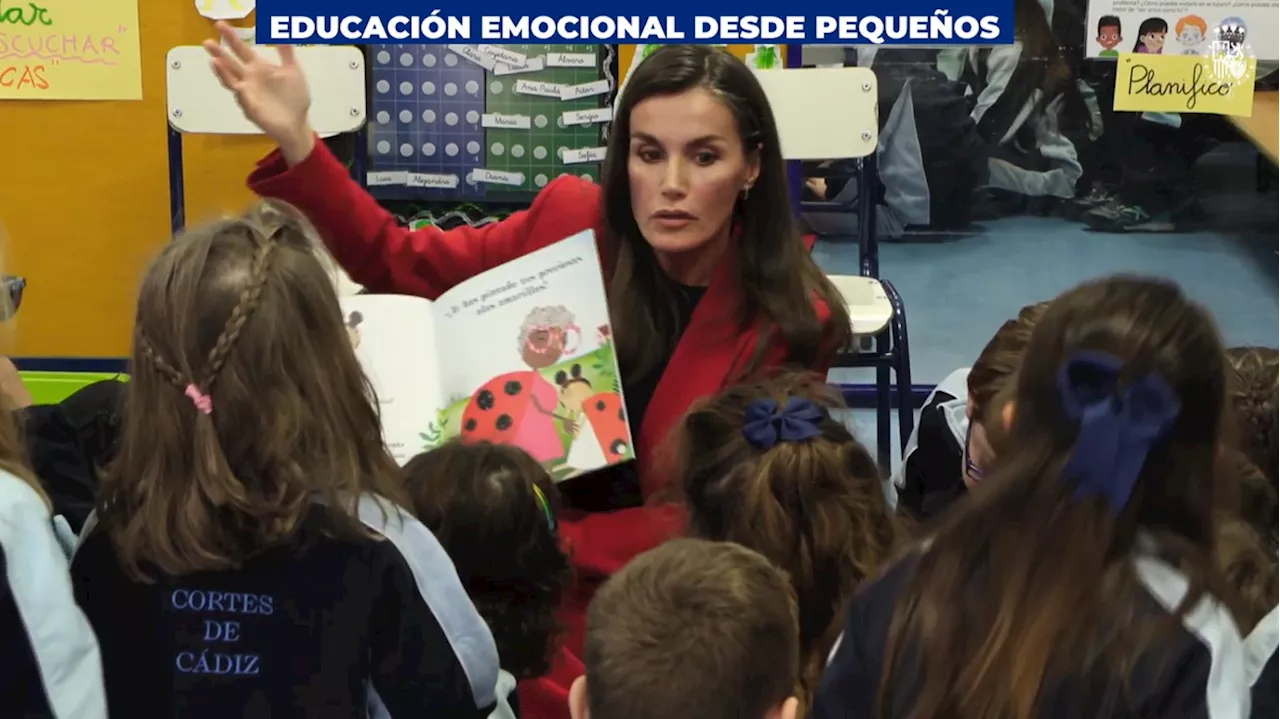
201	400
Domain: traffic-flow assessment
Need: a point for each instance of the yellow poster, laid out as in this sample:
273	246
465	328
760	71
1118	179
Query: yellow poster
69	50
1220	84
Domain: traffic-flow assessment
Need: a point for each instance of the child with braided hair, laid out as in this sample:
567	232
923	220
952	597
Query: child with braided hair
248	556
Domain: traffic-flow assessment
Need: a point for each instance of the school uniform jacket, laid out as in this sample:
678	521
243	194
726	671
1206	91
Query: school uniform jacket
1260	657
49	662
384	257
930	477
1199	672
318	628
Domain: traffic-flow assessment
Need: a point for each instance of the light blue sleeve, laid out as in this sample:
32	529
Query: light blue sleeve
36	571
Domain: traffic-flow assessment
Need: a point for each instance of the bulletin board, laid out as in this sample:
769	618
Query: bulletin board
484	123
84	200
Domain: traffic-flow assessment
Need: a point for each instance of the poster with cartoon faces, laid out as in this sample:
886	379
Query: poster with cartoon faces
1174	28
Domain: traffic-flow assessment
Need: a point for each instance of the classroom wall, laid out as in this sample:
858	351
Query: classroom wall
84	199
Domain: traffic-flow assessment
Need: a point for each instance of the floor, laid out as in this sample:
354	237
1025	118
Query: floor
959	289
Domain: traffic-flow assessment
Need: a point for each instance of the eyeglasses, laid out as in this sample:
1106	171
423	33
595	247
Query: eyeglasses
14	286
973	471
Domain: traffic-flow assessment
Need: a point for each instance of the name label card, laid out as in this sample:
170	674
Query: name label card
586	154
1218	85
515	122
571	59
541	89
503	55
497	177
473	54
586	89
386	179
533	64
431	180
587	117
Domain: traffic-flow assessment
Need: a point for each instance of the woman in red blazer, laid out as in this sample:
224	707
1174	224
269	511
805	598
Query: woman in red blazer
708	277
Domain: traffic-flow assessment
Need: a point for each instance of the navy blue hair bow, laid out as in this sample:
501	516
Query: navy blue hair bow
1117	427
766	424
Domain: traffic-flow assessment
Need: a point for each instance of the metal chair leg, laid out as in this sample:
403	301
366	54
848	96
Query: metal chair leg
884	403
901	364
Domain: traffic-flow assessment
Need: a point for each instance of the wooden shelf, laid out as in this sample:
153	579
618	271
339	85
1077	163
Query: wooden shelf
1264	128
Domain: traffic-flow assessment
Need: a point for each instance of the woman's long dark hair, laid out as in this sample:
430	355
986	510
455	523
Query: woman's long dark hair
777	276
1026	582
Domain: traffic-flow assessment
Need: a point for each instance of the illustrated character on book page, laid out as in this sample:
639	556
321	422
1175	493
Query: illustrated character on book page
600	435
354	321
519	408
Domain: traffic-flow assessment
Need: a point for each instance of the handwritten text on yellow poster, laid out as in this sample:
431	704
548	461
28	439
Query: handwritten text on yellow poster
1185	83
69	50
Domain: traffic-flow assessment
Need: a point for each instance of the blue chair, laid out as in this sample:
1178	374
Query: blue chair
849	218
826	114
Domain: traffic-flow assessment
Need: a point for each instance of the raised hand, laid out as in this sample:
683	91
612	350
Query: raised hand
273	96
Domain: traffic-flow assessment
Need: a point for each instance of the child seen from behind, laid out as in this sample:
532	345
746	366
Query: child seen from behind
767	466
492	508
247	556
50	660
1081	581
946	453
694	629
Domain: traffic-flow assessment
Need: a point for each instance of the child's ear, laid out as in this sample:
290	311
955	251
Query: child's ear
1006	415
786	710
578	699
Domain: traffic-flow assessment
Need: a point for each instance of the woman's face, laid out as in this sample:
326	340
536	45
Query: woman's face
687	170
1154	41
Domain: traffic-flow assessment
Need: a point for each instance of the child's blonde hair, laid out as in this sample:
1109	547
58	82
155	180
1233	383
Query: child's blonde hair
692	628
815	507
246	401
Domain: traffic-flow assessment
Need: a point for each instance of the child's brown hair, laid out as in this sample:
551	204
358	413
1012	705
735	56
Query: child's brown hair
1247	541
246	402
814	507
1033	577
693	628
1255	400
992	371
492	507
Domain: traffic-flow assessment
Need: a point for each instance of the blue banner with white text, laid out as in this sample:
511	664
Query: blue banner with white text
906	22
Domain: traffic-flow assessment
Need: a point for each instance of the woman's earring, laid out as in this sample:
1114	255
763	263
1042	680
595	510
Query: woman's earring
745	192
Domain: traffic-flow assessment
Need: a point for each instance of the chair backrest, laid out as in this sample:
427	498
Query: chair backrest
823	113
199	105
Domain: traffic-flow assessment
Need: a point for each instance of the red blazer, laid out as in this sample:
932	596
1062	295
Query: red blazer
547	697
385	257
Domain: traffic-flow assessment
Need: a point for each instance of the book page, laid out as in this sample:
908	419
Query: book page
395	341
527	359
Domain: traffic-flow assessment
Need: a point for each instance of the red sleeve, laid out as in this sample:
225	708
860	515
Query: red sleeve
379	253
547	697
599	544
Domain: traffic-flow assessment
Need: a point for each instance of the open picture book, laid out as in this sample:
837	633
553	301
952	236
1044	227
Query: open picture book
521	354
